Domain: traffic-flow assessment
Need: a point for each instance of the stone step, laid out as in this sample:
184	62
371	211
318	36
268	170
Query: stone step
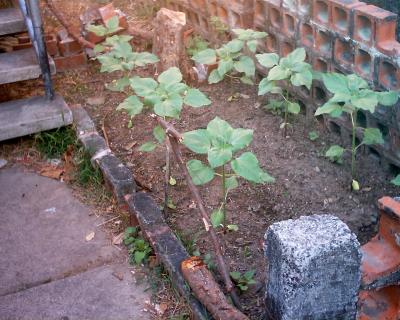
11	21
20	65
23	117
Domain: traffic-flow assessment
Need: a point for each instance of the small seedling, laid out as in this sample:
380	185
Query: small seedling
243	281
352	95
231	57
139	249
219	141
313	135
196	44
396	181
290	70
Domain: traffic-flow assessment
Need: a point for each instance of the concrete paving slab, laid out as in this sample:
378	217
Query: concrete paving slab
26	116
93	295
43	232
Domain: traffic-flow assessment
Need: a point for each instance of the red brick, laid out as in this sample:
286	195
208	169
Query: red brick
364	64
69	47
322	12
379	304
343	52
321	64
286	46
323	43
289	24
389	74
306	35
272	43
72	62
260	14
342	15
304	8
107	12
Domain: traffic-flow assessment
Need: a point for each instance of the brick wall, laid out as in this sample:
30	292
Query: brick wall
339	35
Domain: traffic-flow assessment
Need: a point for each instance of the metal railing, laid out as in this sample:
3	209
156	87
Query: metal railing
31	12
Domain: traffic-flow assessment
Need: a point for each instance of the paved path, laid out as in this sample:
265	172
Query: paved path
47	268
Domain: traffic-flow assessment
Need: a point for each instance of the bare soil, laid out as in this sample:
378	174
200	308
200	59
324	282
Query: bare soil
306	182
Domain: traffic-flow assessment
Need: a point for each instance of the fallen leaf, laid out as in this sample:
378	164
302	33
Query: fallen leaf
51	172
130	145
96	101
90	236
118	239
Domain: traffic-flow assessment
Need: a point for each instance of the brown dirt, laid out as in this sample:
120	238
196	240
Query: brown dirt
306	182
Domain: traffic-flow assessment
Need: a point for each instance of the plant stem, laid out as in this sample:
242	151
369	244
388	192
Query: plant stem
167	173
353	147
286	97
223	195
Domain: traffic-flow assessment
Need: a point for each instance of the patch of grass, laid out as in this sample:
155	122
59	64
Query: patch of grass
54	143
86	173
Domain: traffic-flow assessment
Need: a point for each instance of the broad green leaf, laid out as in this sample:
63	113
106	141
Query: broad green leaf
268	60
170	107
335	82
159	134
235	275
197	140
328	108
296	56
301	67
144	58
396	181
259	34
341	97
215	77
200	173
98	48
241	138
365	100
387	98
234	45
231	183
97	30
139	256
218	156
252	45
293	107
207	56
143	86
335	153
122	50
220	129
302	79
118	85
246	65
172	75
152	99
355	83
278	73
246	80
176	87
248	275
224	66
247	166
109	63
196	98
372	136
132	105
148	146
112	24
217	218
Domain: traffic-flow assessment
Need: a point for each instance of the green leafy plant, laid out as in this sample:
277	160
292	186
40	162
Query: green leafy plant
351	94
231	57
313	135
195	44
139	249
220	142
291	70
243	281
218	26
166	97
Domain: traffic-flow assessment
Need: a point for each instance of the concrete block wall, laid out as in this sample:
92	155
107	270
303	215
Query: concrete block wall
343	36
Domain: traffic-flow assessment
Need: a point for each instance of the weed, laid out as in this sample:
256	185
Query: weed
243	281
139	249
54	143
87	174
196	44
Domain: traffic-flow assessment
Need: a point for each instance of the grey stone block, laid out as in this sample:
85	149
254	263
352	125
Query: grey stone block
82	121
313	269
117	176
93	143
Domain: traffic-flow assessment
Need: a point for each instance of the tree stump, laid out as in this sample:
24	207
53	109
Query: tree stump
168	44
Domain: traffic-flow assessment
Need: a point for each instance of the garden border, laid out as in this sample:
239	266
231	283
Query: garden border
141	206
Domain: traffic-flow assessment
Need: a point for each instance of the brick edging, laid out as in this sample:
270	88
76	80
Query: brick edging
141	205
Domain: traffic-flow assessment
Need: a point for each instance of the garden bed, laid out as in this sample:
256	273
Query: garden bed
306	182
